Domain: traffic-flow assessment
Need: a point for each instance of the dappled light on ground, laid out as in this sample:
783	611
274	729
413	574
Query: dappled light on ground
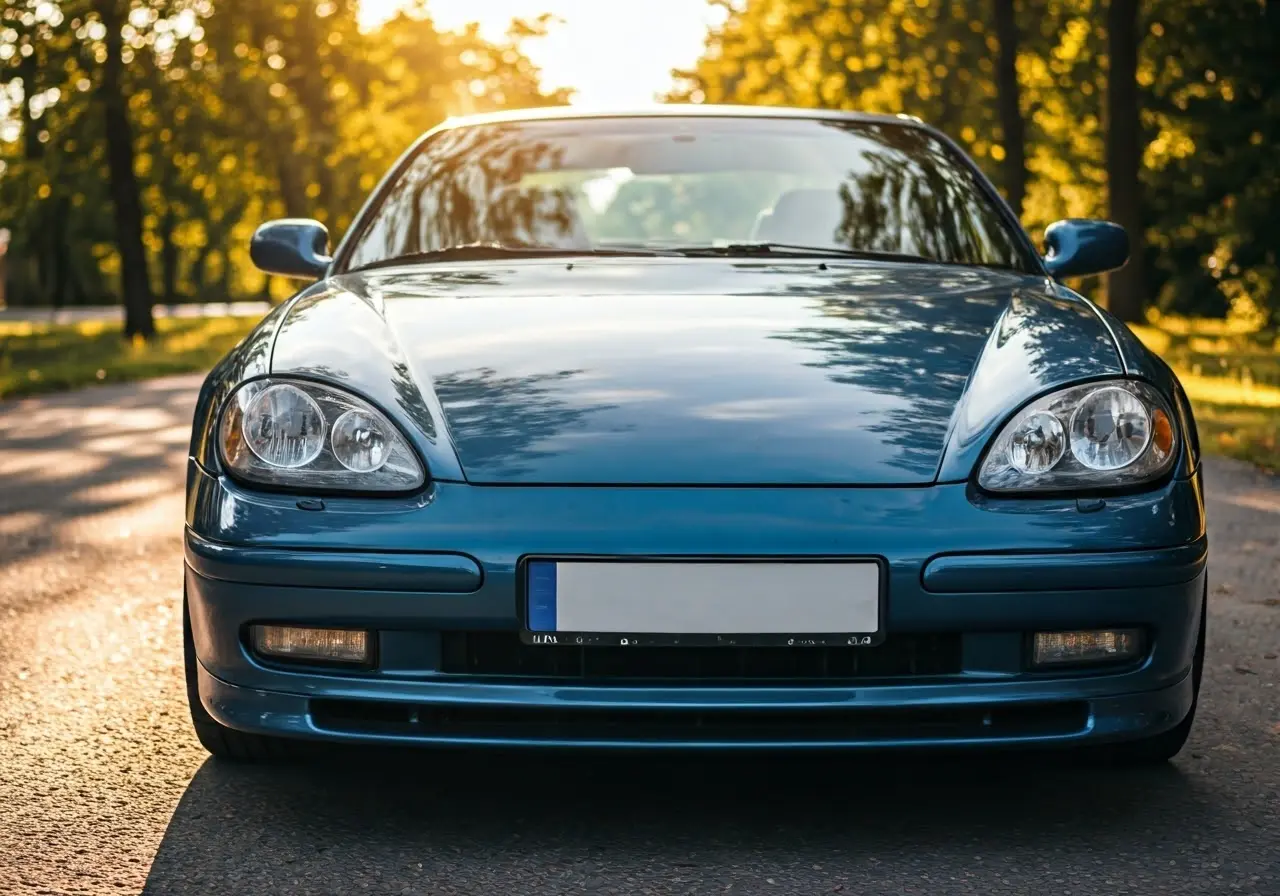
104	788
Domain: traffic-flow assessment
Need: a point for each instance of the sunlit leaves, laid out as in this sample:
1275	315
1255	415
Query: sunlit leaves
242	110
1211	107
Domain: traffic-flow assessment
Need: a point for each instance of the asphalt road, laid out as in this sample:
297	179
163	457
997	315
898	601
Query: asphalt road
103	788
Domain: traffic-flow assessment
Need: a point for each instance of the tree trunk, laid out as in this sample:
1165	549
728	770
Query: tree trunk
60	257
33	151
1008	99
28	70
135	279
312	90
1127	287
292	191
4	266
169	257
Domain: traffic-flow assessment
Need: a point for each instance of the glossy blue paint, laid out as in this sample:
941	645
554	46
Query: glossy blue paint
681	371
1080	247
694	407
1112	717
498	525
388	571
292	247
970	573
338	333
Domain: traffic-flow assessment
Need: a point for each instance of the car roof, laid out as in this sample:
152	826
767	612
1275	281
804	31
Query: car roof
672	110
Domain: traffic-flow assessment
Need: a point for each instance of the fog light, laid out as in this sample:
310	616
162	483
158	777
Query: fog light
330	645
1069	648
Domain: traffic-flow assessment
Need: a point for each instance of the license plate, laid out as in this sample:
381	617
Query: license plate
703	603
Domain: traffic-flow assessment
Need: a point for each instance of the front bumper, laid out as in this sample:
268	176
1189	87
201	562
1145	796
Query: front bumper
843	718
983	574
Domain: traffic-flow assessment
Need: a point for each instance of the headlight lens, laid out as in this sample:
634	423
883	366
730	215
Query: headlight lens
1103	435
360	442
313	437
1037	444
283	427
1110	429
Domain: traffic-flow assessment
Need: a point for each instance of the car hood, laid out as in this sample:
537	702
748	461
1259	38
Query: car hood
695	372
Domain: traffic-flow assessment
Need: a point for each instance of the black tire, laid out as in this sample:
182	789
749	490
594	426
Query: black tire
1164	746
223	742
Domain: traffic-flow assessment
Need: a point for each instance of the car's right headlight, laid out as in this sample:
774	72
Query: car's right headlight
313	437
1105	435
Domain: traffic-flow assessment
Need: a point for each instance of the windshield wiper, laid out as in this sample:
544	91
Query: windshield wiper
493	251
792	250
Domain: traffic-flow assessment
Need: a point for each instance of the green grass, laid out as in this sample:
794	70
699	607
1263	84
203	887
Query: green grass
1232	376
36	358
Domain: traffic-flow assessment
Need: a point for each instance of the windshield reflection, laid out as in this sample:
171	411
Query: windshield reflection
583	184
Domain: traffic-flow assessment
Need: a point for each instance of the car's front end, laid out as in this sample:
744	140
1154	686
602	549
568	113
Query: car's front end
1018	618
640	494
435	582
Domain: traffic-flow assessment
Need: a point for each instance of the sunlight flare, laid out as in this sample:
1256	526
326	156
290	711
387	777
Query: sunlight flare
607	58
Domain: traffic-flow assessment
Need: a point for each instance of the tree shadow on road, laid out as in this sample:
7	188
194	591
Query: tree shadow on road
431	821
68	459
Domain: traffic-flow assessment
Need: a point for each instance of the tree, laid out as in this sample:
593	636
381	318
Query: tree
1008	98
931	60
1127	287
1211	175
135	278
142	140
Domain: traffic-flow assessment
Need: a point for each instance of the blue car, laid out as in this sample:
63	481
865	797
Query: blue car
692	428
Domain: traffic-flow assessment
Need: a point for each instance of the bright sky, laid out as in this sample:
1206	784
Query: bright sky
613	53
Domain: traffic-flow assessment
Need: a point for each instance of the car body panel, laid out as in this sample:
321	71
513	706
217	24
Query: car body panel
992	604
1112	716
440	571
695	372
661	407
1075	571
512	520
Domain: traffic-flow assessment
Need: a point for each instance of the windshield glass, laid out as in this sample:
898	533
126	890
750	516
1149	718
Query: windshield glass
606	183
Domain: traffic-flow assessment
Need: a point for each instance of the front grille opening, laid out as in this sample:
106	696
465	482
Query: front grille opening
503	654
695	725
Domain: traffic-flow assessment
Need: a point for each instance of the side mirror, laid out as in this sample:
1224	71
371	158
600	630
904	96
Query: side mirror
1079	247
293	247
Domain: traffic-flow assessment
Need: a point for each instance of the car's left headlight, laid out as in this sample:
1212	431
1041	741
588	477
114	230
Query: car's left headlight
1111	434
313	437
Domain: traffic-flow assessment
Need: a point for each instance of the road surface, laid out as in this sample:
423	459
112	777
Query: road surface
103	788
80	314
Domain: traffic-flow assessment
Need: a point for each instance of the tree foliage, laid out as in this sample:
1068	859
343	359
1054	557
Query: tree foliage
234	111
1208	112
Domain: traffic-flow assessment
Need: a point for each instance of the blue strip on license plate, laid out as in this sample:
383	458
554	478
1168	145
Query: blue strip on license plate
542	596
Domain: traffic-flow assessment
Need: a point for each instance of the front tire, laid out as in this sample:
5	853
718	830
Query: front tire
1161	748
223	742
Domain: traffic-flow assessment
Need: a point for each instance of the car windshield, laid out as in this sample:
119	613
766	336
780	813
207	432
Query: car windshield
686	183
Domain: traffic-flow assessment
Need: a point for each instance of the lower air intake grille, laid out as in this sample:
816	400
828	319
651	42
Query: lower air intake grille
503	654
579	724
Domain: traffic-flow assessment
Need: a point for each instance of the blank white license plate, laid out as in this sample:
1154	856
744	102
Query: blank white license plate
653	602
